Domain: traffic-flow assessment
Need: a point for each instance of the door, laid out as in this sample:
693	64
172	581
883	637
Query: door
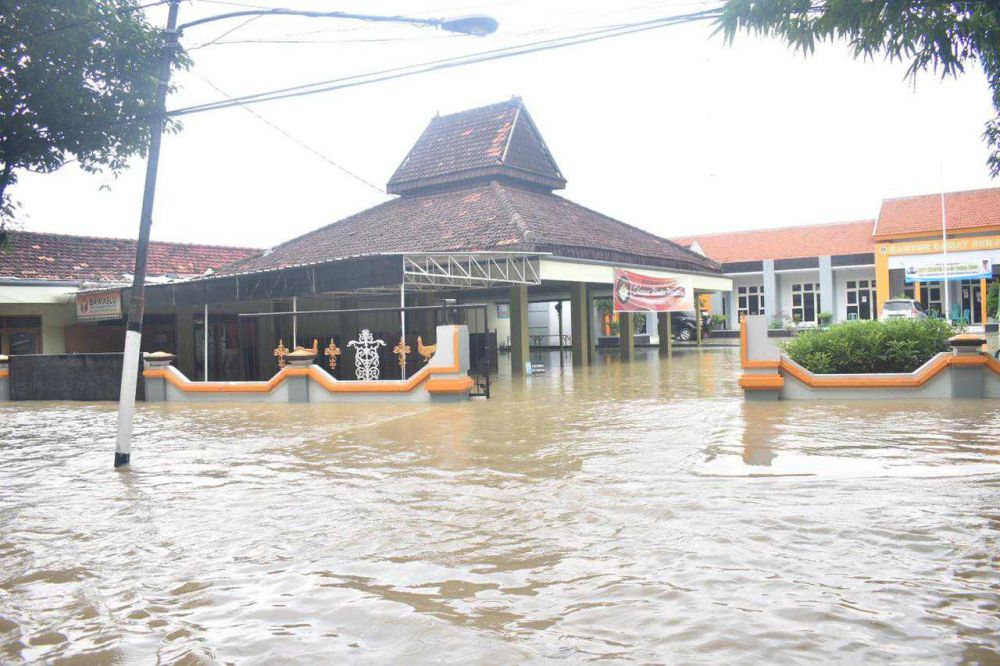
972	301
20	335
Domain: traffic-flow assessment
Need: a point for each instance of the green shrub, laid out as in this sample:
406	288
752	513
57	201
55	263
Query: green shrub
899	345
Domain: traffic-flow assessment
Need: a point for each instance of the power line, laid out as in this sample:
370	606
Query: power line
226	33
449	63
293	138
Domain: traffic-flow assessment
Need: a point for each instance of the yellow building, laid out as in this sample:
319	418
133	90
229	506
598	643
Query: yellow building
911	258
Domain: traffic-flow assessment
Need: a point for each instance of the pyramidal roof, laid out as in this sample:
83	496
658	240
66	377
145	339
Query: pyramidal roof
495	142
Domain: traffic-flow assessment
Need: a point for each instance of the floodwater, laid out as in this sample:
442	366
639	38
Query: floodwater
639	512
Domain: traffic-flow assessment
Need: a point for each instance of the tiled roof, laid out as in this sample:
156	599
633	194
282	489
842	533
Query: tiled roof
964	210
499	141
492	216
786	242
43	256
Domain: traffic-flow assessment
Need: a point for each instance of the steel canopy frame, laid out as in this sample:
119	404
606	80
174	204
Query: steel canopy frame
430	270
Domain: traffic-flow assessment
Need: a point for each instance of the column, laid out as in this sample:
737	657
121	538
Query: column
652	330
185	342
580	323
518	329
826	291
626	341
772	297
984	314
881	277
664	324
733	321
594	328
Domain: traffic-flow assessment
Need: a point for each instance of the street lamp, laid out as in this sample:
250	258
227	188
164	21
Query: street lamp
477	25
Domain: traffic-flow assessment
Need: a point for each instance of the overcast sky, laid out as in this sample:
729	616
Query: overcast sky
669	130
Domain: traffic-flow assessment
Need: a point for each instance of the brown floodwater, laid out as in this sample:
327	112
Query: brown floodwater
641	512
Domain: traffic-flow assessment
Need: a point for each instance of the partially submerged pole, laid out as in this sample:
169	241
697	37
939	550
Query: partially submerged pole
402	322
205	342
137	301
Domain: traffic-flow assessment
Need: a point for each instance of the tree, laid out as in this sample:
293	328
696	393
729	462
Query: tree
938	35
78	81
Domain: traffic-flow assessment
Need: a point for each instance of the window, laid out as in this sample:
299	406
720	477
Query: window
20	335
749	300
805	302
930	298
861	299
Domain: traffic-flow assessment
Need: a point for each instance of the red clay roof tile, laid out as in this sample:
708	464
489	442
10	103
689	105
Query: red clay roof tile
45	256
786	242
965	210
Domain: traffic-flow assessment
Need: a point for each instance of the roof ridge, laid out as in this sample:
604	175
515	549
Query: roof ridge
506	102
778	228
20	232
937	194
511	210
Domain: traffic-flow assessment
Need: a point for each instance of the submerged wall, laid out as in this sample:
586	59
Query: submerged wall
965	372
445	378
88	377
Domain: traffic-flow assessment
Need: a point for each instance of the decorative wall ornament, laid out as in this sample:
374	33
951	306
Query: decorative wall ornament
366	356
401	350
425	350
280	352
332	351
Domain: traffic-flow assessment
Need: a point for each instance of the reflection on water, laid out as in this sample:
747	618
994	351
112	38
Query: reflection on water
639	511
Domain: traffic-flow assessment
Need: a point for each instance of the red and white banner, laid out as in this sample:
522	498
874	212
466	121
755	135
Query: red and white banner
635	292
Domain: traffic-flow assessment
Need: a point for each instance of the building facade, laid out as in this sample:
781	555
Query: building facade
847	270
62	294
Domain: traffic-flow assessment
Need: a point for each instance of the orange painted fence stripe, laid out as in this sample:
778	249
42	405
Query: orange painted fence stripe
916	381
761	382
320	377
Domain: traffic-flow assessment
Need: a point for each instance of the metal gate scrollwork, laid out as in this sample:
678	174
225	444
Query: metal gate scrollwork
366	365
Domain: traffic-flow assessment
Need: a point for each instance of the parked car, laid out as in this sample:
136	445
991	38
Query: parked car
684	323
902	308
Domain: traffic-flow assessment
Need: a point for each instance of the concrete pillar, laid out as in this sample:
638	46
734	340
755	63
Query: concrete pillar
580	323
4	379
664	325
185	342
595	328
651	328
826	290
518	329
626	341
733	321
772	297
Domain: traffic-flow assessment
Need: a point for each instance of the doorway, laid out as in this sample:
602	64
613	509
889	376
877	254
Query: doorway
972	301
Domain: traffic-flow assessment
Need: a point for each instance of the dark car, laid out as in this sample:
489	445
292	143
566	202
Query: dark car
683	326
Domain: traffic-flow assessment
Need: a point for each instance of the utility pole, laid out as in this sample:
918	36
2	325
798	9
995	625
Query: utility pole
137	299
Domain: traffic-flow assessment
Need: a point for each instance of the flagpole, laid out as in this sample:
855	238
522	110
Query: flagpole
944	250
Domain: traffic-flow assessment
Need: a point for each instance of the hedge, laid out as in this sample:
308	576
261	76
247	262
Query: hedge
898	345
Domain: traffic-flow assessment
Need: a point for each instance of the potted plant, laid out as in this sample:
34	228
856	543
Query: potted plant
824	318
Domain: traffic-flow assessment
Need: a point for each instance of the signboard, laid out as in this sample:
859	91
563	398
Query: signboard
99	305
961	244
503	311
635	292
935	267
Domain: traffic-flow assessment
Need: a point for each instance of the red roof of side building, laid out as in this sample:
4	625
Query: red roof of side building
814	240
44	256
913	215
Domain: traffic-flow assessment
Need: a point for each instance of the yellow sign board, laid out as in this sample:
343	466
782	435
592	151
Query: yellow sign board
932	246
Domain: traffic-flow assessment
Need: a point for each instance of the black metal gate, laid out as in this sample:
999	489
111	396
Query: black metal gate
482	367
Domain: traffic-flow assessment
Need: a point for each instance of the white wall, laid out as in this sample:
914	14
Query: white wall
840	279
753	280
785	282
